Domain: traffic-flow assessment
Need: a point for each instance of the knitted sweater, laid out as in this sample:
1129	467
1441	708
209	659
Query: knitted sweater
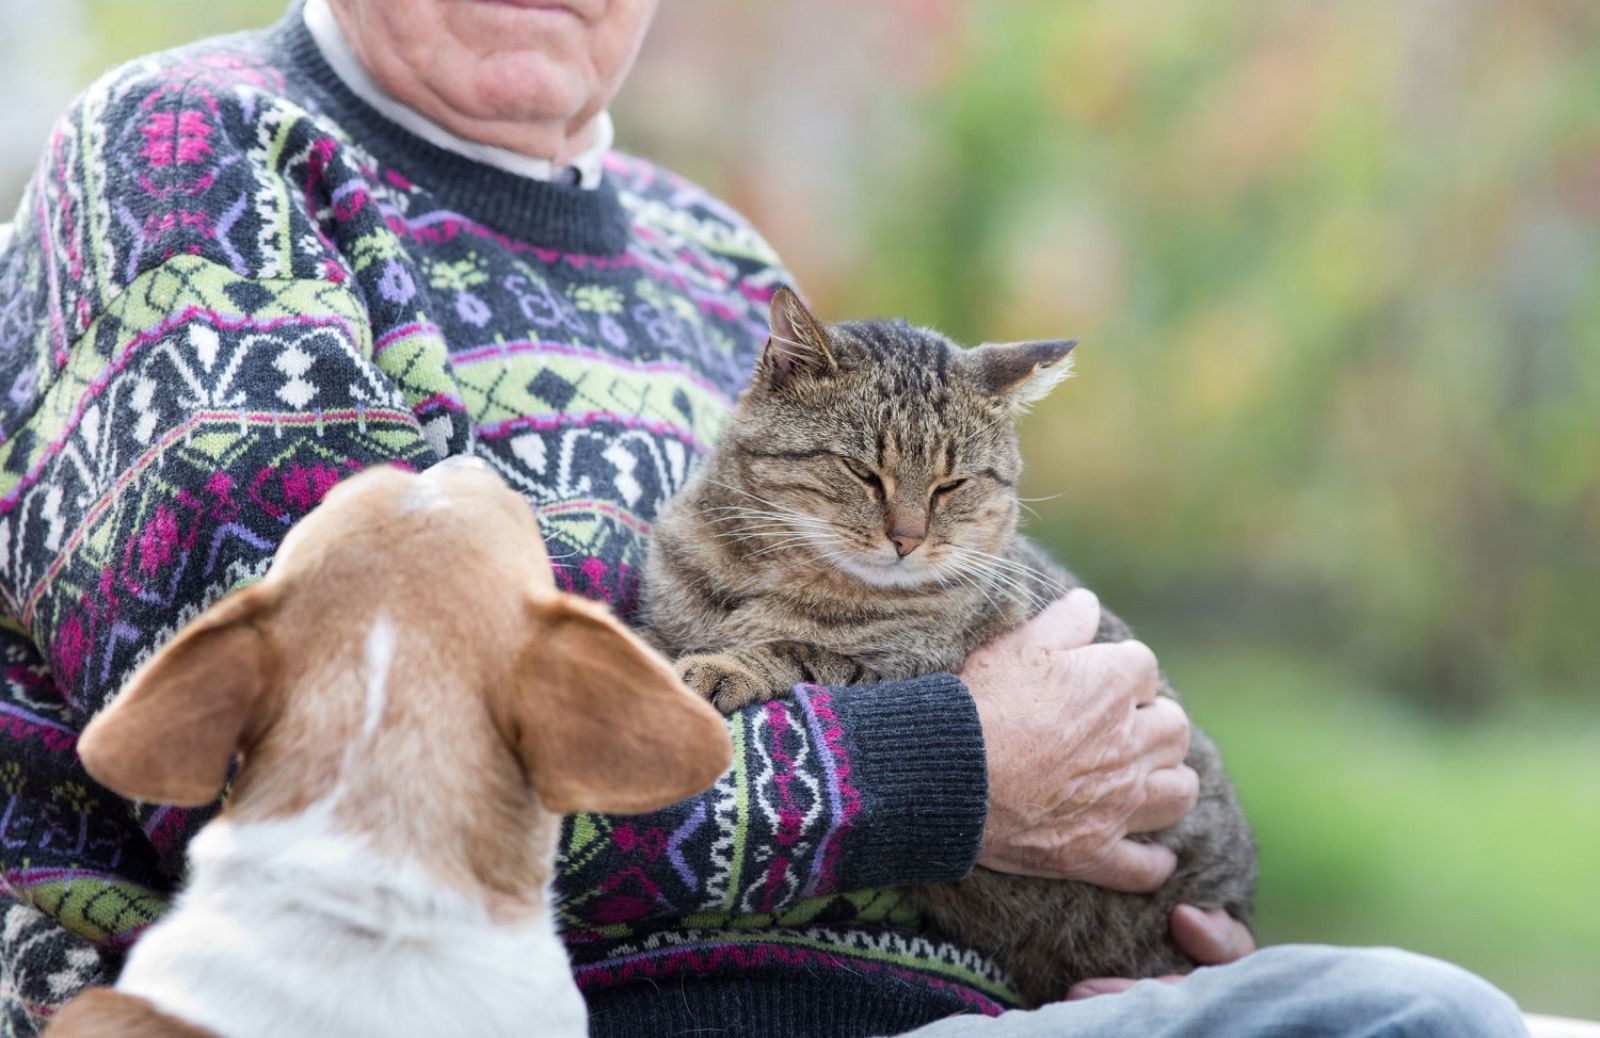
230	284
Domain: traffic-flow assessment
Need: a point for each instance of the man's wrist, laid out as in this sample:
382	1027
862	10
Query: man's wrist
916	757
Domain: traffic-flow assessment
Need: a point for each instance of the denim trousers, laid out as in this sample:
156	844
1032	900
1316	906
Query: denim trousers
1287	991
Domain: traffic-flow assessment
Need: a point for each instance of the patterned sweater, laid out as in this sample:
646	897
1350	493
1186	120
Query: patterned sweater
230	284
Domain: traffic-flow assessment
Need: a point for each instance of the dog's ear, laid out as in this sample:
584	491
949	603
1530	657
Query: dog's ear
170	734
600	720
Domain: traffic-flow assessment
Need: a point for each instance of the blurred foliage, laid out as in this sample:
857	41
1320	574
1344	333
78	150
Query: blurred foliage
1475	844
1335	271
124	29
1335	441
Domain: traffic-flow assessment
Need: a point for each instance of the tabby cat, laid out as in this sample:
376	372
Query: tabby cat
856	522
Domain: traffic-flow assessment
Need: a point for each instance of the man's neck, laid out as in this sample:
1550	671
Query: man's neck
579	160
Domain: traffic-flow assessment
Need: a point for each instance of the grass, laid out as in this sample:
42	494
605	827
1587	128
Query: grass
1377	825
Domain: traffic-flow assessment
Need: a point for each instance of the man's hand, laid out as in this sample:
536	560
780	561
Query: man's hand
1209	936
1082	752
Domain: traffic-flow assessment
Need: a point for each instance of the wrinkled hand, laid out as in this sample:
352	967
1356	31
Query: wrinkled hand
1209	936
1082	752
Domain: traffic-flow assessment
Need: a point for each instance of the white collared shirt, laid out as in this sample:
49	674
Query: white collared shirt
336	51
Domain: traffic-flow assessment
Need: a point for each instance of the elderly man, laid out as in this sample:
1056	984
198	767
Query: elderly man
395	230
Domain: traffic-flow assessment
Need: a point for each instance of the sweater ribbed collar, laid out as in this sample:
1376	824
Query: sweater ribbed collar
540	212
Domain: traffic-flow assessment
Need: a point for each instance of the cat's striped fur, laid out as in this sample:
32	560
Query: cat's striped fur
856	522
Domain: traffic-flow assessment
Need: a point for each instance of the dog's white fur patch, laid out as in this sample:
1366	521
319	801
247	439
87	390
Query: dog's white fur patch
425	494
378	655
291	927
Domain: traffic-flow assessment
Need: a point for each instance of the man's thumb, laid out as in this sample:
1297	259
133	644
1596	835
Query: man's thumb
1070	622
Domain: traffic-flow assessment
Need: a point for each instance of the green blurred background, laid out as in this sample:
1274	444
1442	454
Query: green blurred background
1334	445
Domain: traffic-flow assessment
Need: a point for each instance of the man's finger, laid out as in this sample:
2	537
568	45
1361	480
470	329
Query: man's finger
1169	793
1165	730
1210	936
1135	663
1099	986
1111	985
1133	868
1120	672
1069	622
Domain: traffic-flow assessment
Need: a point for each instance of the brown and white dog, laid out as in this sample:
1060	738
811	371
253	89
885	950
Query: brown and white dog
414	704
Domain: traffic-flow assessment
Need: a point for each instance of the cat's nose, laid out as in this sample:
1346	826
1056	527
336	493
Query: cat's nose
905	543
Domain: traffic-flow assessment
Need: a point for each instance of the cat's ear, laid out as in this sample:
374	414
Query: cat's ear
798	344
1022	372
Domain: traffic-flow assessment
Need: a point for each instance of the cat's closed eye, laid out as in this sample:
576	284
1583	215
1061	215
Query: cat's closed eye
948	487
869	478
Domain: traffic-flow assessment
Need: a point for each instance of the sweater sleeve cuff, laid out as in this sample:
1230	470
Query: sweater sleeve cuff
917	758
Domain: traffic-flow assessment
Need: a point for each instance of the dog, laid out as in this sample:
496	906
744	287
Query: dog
413	704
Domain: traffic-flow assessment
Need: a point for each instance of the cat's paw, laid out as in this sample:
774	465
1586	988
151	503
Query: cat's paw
727	682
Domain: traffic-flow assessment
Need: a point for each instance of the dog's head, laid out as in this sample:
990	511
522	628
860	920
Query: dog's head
408	660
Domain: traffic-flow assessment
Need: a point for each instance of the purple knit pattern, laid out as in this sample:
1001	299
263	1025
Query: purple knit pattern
230	285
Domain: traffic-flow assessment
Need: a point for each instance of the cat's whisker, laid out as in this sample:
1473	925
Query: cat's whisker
801	520
983	588
1010	583
827	558
976	555
965	573
778	547
740	490
790	542
779	524
765	524
786	534
764	528
737	490
762	537
760	524
1011	591
748	509
1020	569
953	578
737	513
740	536
1012	577
980	553
1025	594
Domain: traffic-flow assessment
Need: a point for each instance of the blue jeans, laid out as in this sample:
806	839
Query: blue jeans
1287	991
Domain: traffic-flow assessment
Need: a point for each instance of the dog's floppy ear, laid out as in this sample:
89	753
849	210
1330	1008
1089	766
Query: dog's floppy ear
170	734
600	720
